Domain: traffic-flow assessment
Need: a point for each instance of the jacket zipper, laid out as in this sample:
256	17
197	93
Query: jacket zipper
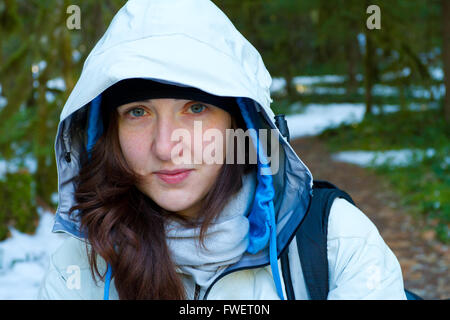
230	272
247	268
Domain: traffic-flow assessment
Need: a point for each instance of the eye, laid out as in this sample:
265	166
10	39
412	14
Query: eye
137	112
197	108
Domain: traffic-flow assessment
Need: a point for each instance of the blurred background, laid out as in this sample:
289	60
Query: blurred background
367	110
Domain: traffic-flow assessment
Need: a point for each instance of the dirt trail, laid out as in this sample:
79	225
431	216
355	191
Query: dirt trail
425	262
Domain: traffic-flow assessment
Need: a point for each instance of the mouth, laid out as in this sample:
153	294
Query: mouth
173	176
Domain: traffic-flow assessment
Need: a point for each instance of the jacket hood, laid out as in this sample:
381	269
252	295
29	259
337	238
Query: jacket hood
185	43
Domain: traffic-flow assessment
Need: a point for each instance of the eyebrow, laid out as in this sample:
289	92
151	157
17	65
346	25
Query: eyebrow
148	100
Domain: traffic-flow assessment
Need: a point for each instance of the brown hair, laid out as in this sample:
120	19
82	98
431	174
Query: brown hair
127	229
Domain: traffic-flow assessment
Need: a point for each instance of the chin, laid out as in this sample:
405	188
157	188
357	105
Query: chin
172	207
174	200
174	203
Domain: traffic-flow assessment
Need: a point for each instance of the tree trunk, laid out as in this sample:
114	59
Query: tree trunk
290	90
369	74
446	55
352	60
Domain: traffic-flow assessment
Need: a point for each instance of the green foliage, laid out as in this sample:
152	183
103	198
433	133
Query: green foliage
282	31
425	188
18	207
285	105
35	47
423	185
398	130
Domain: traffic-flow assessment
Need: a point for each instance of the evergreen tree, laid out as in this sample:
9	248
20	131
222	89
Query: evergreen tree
446	55
40	60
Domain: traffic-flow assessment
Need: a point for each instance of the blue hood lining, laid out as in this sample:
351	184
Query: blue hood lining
262	216
95	124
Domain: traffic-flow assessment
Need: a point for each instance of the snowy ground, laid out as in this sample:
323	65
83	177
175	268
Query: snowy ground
396	158
317	117
24	258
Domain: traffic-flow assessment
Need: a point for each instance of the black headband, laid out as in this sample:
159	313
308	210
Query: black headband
137	89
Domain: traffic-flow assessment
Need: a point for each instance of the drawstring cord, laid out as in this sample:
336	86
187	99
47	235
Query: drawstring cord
107	282
266	196
273	256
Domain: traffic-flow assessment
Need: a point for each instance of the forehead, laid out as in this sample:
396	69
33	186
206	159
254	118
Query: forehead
159	101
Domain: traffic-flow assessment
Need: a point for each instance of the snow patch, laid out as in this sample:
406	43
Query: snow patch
318	117
24	259
400	158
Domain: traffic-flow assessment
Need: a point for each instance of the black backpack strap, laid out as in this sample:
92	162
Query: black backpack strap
312	242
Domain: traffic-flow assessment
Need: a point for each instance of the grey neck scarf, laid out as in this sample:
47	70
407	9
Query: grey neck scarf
226	239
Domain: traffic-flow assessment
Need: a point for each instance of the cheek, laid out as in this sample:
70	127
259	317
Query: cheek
219	127
206	178
214	170
134	149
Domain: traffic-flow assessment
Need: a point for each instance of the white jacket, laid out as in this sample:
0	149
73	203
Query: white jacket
192	43
361	266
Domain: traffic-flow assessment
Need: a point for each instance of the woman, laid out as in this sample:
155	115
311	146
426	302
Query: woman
213	229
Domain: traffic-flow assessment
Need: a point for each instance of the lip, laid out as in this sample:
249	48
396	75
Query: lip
173	176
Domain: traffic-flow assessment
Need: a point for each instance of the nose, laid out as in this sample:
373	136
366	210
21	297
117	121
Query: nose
163	145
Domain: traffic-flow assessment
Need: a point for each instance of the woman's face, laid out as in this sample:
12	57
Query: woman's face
145	135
